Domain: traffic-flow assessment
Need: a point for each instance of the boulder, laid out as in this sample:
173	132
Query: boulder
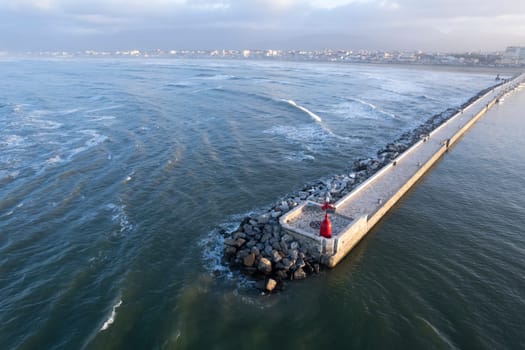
264	266
249	260
265	237
238	234
263	218
239	242
299	274
276	256
229	242
270	284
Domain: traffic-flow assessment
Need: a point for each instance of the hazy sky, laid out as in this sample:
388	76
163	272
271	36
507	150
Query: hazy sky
430	25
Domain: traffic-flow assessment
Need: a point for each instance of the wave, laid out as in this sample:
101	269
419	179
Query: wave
111	317
314	116
299	157
213	245
95	140
374	107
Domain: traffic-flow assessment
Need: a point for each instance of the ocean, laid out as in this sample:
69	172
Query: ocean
117	176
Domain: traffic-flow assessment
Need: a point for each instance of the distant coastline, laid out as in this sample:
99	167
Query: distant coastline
492	62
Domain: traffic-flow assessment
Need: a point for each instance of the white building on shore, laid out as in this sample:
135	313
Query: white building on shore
514	55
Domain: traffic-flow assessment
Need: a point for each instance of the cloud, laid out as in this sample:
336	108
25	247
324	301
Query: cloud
429	24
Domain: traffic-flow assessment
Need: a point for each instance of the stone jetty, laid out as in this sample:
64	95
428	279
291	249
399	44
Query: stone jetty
283	243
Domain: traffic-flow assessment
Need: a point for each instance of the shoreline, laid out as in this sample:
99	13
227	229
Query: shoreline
261	249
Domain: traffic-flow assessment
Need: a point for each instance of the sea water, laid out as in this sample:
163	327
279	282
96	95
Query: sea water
116	177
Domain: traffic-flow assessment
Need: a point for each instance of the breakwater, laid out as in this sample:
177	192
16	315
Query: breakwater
284	243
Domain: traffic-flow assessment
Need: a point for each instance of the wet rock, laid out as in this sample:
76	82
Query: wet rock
249	260
239	242
230	251
299	274
238	235
270	284
281	274
229	242
264	266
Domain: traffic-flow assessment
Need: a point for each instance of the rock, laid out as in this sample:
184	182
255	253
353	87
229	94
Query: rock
270	284
294	245
299	274
253	222
230	251
317	268
256	251
299	264
276	245
303	195
276	213
284	207
287	238
281	274
249	260
264	266
268	249
276	256
251	243
238	234
286	263
240	242
248	229
284	247
265	237
294	254
263	218
229	242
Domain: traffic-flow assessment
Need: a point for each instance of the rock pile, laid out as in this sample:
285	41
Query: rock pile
261	249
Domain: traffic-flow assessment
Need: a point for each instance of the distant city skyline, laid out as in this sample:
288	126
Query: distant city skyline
431	25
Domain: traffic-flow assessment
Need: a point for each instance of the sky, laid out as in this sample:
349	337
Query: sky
427	25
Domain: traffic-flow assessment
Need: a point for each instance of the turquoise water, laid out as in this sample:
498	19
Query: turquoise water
117	174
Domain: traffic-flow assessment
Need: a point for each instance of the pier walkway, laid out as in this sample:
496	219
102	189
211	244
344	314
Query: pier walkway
360	210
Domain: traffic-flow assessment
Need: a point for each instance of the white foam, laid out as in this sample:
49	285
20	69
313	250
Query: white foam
130	176
314	116
111	317
119	216
373	107
299	156
213	245
12	141
102	109
95	140
54	160
101	118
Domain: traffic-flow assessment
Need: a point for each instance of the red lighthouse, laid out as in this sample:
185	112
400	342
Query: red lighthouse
326	225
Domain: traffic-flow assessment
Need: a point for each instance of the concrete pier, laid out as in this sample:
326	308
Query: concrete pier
356	213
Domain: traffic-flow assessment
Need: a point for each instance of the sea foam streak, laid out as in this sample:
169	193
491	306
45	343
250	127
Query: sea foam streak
310	113
111	317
